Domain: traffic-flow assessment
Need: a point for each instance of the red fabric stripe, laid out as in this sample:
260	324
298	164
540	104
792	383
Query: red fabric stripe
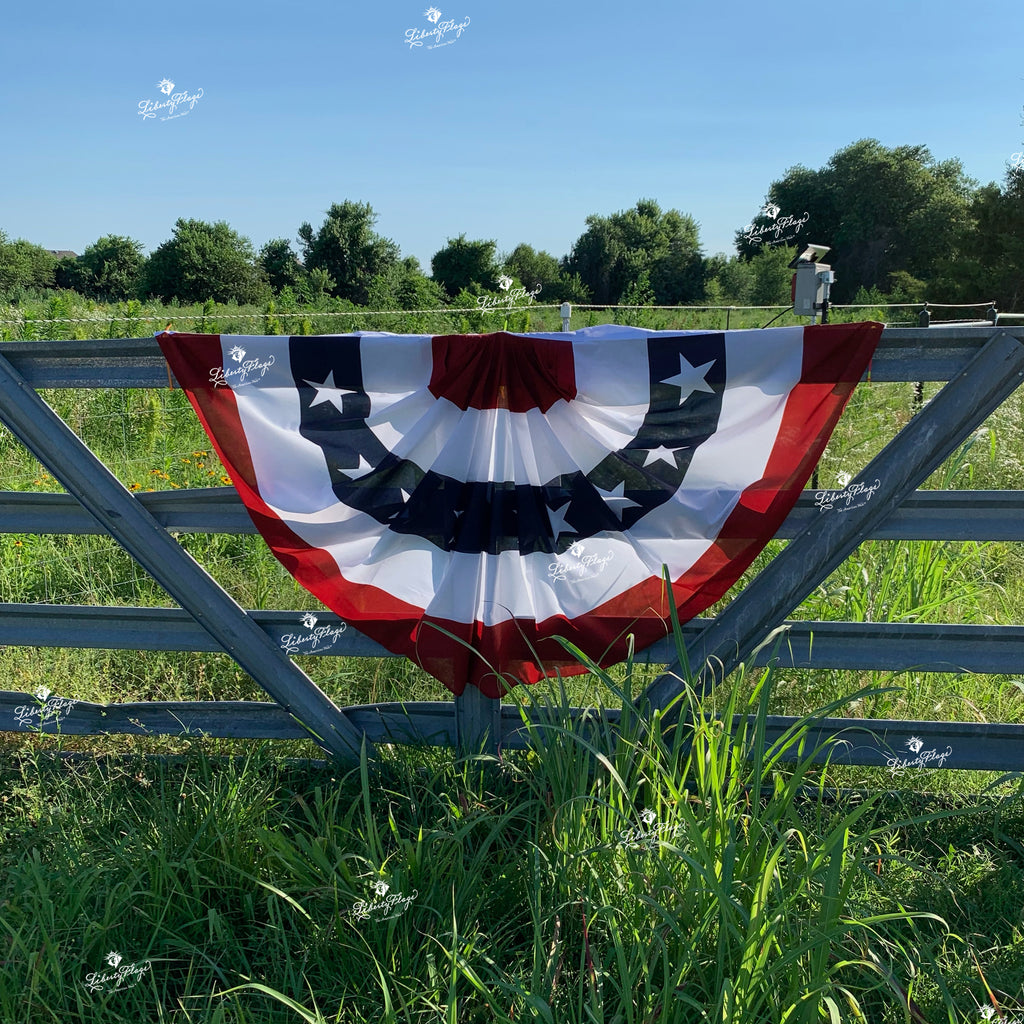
502	371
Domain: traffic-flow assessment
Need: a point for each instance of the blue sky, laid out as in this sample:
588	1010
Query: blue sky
537	115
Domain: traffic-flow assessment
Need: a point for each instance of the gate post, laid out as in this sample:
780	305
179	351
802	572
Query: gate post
477	722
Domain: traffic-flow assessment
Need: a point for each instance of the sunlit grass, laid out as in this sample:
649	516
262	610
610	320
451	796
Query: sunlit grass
650	874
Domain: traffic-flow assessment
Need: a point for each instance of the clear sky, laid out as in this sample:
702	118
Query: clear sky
534	116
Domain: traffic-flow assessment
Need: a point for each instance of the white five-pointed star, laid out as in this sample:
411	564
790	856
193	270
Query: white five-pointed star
361	470
556	516
405	500
690	378
328	391
663	454
616	499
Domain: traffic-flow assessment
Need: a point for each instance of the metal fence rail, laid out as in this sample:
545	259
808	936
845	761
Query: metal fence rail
984	365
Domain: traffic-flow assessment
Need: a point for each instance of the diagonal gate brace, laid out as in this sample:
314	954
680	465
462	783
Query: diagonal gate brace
50	439
905	463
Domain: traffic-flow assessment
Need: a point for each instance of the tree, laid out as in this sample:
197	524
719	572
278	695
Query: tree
729	280
881	210
771	277
348	249
202	261
613	253
110	268
280	263
535	268
466	265
405	286
25	265
71	274
989	262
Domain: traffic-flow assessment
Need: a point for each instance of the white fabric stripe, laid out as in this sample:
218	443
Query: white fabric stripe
494	444
763	367
453	585
291	472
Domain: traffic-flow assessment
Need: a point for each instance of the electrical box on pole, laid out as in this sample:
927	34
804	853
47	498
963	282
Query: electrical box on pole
811	283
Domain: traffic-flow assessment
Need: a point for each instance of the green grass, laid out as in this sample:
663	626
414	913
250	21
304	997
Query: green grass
668	875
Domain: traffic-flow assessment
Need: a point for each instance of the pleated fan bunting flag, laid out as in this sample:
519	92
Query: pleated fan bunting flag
507	489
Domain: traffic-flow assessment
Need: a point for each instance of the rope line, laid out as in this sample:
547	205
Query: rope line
258	316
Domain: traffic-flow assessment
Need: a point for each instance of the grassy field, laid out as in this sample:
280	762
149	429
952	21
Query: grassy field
239	867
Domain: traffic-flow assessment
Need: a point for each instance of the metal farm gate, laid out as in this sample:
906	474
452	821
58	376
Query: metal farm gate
982	365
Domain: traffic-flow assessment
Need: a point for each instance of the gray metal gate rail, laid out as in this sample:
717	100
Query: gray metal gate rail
982	365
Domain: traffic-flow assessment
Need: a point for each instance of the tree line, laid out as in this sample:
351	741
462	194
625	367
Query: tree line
901	226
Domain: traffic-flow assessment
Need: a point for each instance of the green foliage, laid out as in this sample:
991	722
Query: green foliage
24	265
639	293
466	266
534	268
70	273
729	280
318	285
572	289
904	287
771	276
881	210
347	249
661	869
990	263
614	251
202	261
404	286
761	280
111	267
280	264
